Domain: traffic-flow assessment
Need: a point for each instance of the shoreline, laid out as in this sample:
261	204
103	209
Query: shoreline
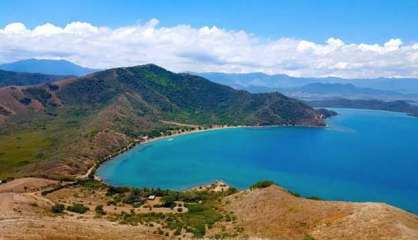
222	128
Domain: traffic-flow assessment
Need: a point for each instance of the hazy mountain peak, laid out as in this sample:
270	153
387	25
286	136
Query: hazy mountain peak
47	66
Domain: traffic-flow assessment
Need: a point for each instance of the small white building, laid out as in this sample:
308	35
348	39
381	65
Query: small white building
151	197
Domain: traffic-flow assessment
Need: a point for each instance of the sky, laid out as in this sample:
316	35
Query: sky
360	39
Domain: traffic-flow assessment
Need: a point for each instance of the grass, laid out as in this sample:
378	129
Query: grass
41	139
20	149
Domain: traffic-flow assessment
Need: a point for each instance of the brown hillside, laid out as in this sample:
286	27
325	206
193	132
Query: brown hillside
273	213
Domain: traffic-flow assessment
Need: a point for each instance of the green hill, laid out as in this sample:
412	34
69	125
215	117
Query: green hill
8	78
65	127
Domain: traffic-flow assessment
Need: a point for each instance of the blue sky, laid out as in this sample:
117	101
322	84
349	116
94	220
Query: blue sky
354	21
353	39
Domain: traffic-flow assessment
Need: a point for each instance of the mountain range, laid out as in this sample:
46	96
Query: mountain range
261	82
299	87
64	127
47	66
317	91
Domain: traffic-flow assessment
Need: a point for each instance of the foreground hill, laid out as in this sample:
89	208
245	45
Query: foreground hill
65	127
47	66
208	212
274	213
8	78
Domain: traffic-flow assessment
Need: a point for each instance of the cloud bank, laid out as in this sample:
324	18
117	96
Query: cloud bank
184	48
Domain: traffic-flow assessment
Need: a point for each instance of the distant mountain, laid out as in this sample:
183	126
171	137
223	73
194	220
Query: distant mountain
393	106
74	122
260	82
254	82
314	91
8	78
46	66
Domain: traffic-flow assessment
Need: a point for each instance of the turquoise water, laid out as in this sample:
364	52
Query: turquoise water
362	156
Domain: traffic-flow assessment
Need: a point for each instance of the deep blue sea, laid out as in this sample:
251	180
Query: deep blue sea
363	155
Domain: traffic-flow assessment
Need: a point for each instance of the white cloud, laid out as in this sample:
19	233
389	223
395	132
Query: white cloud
184	48
15	28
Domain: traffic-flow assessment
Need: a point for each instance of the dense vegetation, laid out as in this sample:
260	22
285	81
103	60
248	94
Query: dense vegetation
65	127
21	79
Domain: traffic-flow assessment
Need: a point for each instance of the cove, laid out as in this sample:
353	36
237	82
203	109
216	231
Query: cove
363	155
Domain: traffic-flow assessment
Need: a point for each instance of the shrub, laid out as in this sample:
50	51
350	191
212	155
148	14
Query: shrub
78	208
262	184
231	191
133	197
137	204
198	217
116	190
91	184
294	194
199	231
25	101
194	208
314	198
177	232
169	200
308	237
99	210
58	208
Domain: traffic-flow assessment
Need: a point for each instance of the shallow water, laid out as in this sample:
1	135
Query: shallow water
362	156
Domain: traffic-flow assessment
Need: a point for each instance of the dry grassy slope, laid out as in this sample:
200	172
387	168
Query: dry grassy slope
27	216
21	219
273	213
21	185
9	96
53	229
270	213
